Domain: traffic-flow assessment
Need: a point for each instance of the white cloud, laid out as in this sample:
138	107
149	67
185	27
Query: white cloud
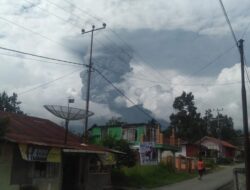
20	75
222	91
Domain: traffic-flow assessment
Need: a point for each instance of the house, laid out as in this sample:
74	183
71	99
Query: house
188	149
145	138
33	155
218	148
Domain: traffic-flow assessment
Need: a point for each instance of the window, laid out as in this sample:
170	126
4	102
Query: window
45	170
129	134
39	170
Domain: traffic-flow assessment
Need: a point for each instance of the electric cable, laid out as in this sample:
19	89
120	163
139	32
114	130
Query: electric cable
121	93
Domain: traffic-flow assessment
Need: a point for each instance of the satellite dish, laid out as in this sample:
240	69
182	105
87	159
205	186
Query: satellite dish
67	113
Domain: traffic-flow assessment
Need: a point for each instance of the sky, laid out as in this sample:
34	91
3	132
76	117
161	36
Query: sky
151	50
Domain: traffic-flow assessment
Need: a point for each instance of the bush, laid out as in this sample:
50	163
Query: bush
210	163
127	159
147	176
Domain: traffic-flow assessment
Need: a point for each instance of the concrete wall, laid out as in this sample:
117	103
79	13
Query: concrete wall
47	184
6	155
115	132
183	151
10	173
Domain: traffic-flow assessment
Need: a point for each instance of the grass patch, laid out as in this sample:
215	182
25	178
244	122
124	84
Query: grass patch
148	176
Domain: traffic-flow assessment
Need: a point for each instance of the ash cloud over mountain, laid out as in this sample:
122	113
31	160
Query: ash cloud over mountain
113	63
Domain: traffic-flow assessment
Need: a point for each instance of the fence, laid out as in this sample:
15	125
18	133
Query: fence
239	178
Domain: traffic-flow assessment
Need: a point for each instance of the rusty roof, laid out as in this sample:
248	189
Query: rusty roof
218	141
37	131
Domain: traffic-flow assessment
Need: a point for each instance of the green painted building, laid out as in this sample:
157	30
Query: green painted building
136	134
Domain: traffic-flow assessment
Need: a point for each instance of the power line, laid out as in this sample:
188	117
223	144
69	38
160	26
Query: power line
31	31
79	64
40	56
47	83
164	83
115	33
213	60
38	60
76	26
228	22
120	92
58	17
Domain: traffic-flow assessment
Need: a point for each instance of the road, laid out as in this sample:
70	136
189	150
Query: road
211	181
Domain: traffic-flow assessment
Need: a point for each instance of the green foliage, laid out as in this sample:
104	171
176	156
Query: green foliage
191	126
114	121
187	121
210	163
9	103
147	176
221	126
127	159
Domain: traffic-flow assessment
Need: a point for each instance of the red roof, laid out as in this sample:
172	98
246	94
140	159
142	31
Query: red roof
218	141
32	130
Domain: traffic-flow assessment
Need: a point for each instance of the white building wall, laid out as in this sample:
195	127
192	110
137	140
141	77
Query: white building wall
183	151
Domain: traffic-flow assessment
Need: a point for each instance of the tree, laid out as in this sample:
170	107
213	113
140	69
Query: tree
221	126
114	121
127	159
9	103
187	121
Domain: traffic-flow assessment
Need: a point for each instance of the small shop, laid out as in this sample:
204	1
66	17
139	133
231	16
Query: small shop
33	156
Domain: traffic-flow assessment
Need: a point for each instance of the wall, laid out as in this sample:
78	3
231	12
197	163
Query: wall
6	155
183	151
96	135
192	150
115	132
13	168
140	133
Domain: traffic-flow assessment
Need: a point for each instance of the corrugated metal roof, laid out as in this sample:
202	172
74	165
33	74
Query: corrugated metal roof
224	143
37	131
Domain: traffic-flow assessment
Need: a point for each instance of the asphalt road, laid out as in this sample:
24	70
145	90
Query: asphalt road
213	181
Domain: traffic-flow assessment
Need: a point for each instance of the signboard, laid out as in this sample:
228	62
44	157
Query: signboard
107	159
40	153
148	153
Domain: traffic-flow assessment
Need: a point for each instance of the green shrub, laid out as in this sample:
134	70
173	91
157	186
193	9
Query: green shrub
210	163
147	176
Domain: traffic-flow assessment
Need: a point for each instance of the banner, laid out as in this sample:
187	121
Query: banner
107	158
40	153
148	153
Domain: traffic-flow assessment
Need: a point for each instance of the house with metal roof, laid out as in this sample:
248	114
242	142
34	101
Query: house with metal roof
145	138
218	148
33	155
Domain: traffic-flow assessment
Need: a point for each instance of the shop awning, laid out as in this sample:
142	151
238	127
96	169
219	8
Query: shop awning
40	153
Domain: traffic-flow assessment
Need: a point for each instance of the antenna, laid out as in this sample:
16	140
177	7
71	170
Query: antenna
67	113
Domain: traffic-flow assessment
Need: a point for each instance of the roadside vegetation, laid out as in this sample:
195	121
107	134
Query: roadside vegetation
149	176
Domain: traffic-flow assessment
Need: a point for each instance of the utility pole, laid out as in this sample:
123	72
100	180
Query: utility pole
219	129
245	117
89	77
